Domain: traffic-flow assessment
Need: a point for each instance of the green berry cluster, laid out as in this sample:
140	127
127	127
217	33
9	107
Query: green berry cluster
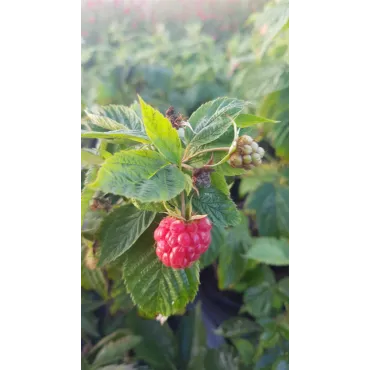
247	155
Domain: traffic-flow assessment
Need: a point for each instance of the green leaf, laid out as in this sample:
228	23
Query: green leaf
258	300
213	114
90	305
155	288
232	264
280	137
281	365
157	345
221	359
271	202
114	336
275	105
117	367
92	222
185	339
115	351
227	170
218	181
198	346
88	157
104	122
268	358
246	120
236	327
245	349
283	286
121	299
161	133
93	279
84	364
215	122
87	193
217	205
89	325
120	230
259	291
262	79
188	183
125	116
117	134
218	241
153	207
273	18
141	174
259	274
208	134
257	176
270	251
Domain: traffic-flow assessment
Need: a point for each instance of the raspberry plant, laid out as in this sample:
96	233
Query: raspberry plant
156	195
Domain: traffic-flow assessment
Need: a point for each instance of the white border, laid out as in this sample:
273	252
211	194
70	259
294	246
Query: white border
40	184
329	185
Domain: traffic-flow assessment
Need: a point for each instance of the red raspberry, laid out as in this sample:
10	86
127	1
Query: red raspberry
179	243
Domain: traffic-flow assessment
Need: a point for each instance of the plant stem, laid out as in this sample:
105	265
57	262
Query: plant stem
102	146
183	206
221	149
187	167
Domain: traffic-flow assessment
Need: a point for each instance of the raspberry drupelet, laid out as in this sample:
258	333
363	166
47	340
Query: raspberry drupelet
179	244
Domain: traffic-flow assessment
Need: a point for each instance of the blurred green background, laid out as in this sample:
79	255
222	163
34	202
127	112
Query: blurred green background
182	54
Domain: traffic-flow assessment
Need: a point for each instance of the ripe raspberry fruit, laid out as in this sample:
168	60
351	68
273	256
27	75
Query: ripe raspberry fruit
179	243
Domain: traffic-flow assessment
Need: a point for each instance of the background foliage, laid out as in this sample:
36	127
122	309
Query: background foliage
239	49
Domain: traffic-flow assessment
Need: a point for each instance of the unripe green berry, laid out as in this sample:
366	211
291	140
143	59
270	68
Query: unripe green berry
246	149
247	159
254	146
261	152
236	160
256	156
256	159
245	139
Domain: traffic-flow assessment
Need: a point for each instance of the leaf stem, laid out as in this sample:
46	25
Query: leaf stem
102	146
183	205
187	167
221	149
